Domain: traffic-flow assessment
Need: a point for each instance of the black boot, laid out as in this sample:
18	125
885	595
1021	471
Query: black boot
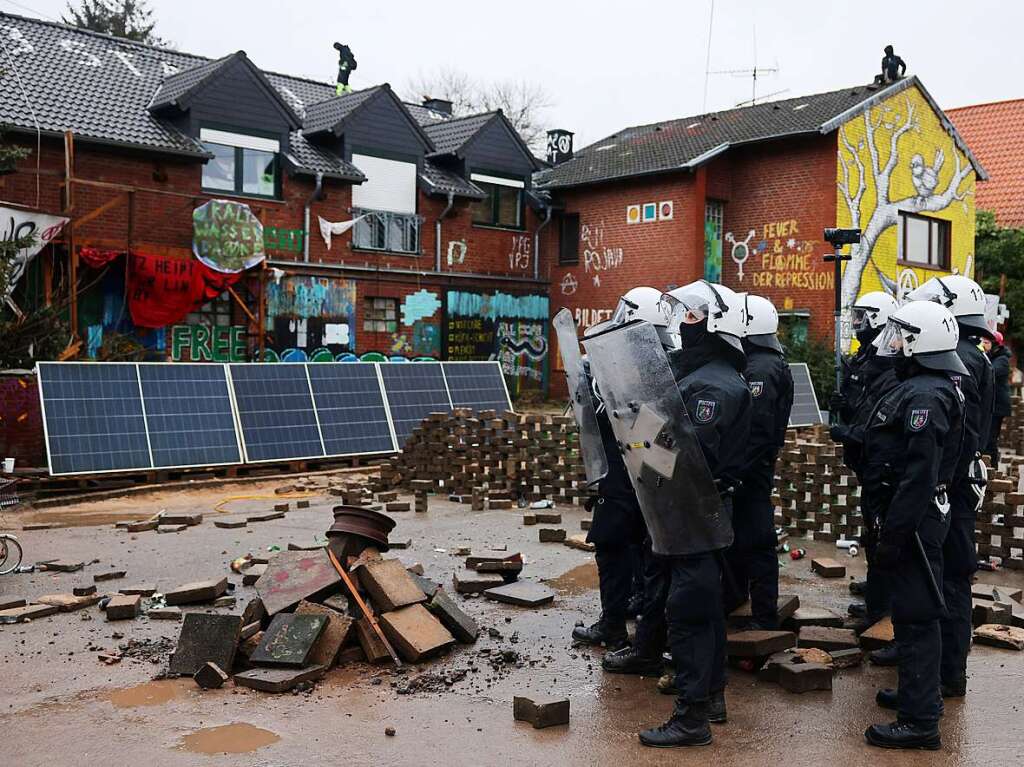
601	635
954	689
889	698
857	610
886	656
688	726
629	661
904	735
635	605
858	588
716	708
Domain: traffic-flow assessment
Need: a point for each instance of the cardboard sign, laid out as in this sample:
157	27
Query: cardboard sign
227	236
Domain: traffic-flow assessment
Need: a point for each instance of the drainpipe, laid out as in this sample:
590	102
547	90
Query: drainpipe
313	197
437	231
536	242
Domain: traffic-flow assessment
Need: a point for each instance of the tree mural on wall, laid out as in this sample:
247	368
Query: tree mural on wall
925	177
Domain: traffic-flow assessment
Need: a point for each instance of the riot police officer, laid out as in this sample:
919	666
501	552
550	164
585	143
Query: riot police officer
966	300
912	447
617	523
752	559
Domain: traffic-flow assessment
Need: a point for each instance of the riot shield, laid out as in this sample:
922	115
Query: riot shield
659	445
595	462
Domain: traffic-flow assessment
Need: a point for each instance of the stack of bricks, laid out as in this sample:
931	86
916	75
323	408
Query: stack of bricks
999	531
489	460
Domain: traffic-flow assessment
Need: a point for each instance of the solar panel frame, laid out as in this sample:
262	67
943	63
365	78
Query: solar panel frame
46	413
398	420
447	367
313	372
804	375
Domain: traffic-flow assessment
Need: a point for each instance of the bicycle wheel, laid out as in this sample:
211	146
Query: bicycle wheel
10	554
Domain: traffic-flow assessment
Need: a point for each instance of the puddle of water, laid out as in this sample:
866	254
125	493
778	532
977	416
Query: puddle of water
580	579
148	694
236	738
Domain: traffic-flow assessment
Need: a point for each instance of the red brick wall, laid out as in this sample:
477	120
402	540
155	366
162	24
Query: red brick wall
21	421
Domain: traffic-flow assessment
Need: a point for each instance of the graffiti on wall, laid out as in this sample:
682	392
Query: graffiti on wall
503	327
897	157
598	255
208	343
784	262
311	319
519	252
739	250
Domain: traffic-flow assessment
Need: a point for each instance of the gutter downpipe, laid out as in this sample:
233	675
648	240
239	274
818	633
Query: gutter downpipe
313	197
536	242
437	231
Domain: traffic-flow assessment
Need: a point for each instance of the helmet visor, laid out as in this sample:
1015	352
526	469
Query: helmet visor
624	311
859	318
894	340
688	309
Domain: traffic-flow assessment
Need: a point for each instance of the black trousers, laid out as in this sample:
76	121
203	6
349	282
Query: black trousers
992	448
615	578
878	595
650	628
752	564
960	562
696	626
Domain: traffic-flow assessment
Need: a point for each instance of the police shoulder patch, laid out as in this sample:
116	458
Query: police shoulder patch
756	388
919	419
705	411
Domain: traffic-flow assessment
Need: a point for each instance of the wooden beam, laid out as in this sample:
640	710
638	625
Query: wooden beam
98	211
241	303
262	311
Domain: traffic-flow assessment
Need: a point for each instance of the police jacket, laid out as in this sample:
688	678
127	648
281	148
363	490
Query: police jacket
978	391
866	377
616	483
1001	381
771	396
912	446
719	404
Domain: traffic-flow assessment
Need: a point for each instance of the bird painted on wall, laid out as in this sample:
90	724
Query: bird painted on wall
925	178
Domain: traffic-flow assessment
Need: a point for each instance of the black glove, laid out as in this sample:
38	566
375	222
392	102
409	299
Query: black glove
839	433
836	403
589	503
887	555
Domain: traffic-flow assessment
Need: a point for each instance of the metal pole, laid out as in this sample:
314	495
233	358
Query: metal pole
837	259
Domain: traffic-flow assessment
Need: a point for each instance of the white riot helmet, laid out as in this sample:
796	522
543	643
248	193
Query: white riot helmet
961	295
723	308
925	331
762	322
640	303
872	310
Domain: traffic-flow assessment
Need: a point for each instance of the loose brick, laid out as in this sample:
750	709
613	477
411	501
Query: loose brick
472	582
25	613
551	535
541	712
461	625
828	568
199	591
277	679
110	575
210	676
877	636
389	584
123	607
755	644
804	677
415	633
828	639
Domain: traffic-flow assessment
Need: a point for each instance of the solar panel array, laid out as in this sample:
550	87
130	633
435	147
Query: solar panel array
121	416
805	410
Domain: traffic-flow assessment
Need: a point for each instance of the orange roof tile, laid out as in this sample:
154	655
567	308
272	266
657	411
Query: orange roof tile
994	133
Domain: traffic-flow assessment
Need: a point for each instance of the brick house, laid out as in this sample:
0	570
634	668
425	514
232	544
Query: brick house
742	196
129	139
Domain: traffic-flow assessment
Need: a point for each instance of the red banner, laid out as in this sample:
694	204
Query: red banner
162	290
96	258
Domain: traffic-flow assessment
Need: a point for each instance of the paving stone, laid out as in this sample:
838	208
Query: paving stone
172	528
389	585
373	648
756	644
253	612
498	504
415	633
247	646
164	613
326	648
511	566
302	503
529	519
548	517
785	605
471	582
252	574
877	636
984	611
474	560
9	603
427	586
585	524
579	541
29	612
997	593
289	640
230	524
62	565
205	637
82	591
249	630
461	625
277	679
551	535
196	592
110	575
282	507
847	658
522	593
814	616
225	601
400	545
804	677
143	590
339	603
266	516
69	602
189	520
1006	637
827	567
123	607
540	711
828	639
141	526
396	506
296	575
387	497
210	676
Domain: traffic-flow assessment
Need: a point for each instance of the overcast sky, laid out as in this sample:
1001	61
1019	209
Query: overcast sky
611	64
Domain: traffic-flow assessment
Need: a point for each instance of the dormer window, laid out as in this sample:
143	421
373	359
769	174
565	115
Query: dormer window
503	205
242	164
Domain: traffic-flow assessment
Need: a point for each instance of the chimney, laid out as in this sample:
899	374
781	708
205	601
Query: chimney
444	106
559	146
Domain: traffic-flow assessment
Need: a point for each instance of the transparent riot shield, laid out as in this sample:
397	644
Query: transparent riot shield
659	445
595	462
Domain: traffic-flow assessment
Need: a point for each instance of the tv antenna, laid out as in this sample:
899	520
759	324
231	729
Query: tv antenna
751	102
753	73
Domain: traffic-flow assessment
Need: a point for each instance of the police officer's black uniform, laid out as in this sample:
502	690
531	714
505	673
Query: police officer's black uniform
911	451
752	561
960	557
1001	407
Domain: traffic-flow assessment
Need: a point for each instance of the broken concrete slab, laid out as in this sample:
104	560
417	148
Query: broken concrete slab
69	602
249	630
461	625
996	593
179	518
164	613
230	524
171	528
983	611
9	603
522	593
877	636
339	603
540	711
123	607
804	677
205	637
252	574
81	591
472	582
757	644
292	576
827	567
194	593
326	648
253	612
551	535
277	679
389	585
142	590
579	541
289	640
847	658
247	646
415	633
61	565
266	516
1005	637
281	506
814	616
141	526
210	676
29	612
828	639
110	575
512	567
373	648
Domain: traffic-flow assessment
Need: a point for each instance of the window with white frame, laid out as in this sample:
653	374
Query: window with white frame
924	241
242	164
503	205
386	201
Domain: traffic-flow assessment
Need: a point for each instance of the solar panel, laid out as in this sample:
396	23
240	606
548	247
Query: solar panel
479	385
189	415
414	390
351	409
93	417
805	410
275	411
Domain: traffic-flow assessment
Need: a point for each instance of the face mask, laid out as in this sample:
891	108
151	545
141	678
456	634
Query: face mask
692	335
904	367
866	335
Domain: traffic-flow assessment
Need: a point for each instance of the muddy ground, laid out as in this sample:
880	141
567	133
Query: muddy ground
61	706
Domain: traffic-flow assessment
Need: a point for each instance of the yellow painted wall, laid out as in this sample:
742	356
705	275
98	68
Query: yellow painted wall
904	121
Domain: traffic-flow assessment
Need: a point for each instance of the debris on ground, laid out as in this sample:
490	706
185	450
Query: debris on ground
1005	637
541	712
